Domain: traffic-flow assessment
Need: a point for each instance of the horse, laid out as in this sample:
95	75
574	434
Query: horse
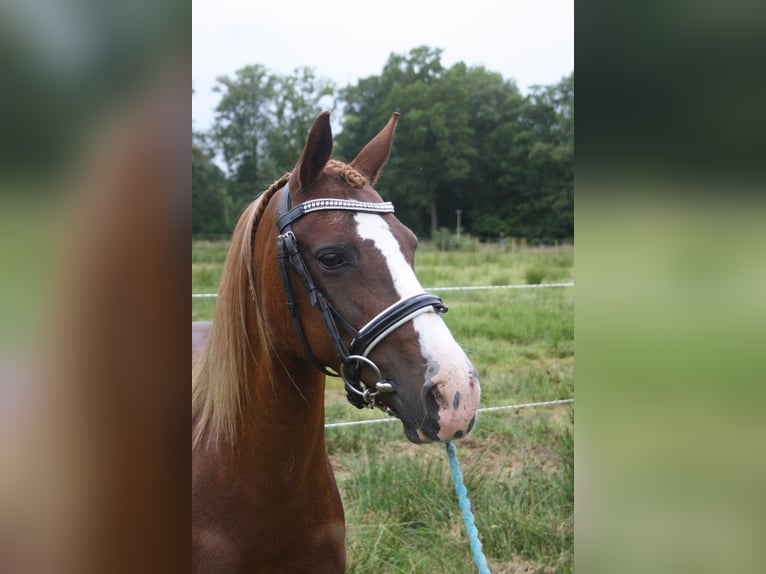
318	280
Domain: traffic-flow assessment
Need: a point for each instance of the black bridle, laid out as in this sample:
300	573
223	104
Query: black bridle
364	340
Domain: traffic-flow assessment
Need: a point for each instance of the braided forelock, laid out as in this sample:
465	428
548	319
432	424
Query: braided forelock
350	175
261	203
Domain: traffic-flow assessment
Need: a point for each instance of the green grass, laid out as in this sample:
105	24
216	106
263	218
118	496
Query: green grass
491	265
207	264
401	510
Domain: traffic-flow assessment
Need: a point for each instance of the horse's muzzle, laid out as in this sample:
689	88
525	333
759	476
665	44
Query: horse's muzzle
449	407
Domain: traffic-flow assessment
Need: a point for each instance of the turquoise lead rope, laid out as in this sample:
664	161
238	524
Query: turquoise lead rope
465	508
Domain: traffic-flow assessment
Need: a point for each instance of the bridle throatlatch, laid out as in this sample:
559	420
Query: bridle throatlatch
364	340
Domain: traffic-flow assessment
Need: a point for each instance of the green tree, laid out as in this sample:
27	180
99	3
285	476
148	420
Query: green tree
294	106
467	139
211	210
240	127
261	123
546	207
493	106
526	161
433	153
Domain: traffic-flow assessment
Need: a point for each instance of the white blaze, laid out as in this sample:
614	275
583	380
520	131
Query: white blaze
447	366
373	227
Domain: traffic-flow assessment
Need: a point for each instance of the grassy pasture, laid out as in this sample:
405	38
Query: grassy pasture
401	510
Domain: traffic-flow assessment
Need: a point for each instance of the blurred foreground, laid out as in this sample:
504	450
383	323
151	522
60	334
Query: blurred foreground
94	227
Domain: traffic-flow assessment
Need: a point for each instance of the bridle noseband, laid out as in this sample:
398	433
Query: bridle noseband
364	340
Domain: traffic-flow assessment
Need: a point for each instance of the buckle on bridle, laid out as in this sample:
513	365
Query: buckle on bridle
358	387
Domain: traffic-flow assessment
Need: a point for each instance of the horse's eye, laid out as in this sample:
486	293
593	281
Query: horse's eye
330	260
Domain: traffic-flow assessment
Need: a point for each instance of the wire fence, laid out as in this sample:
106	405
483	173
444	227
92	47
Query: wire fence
462	288
459	288
482	410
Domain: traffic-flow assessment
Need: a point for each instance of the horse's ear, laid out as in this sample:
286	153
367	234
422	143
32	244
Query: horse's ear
374	155
316	153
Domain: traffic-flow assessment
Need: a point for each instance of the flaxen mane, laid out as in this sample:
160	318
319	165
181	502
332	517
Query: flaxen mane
220	372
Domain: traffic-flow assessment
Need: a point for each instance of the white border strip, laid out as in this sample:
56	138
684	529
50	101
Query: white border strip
469	288
484	410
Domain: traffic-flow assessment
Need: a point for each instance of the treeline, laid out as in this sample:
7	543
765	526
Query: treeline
467	140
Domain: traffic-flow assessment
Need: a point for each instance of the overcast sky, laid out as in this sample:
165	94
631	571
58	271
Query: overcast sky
531	41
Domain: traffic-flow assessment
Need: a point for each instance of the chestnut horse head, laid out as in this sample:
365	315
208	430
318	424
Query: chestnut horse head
319	281
345	256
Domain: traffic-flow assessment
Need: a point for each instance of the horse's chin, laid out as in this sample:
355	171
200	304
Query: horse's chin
416	436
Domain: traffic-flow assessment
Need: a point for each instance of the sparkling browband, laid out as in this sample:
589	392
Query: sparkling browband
302	209
346	204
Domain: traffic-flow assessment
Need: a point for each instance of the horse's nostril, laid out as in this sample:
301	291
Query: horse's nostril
440	399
